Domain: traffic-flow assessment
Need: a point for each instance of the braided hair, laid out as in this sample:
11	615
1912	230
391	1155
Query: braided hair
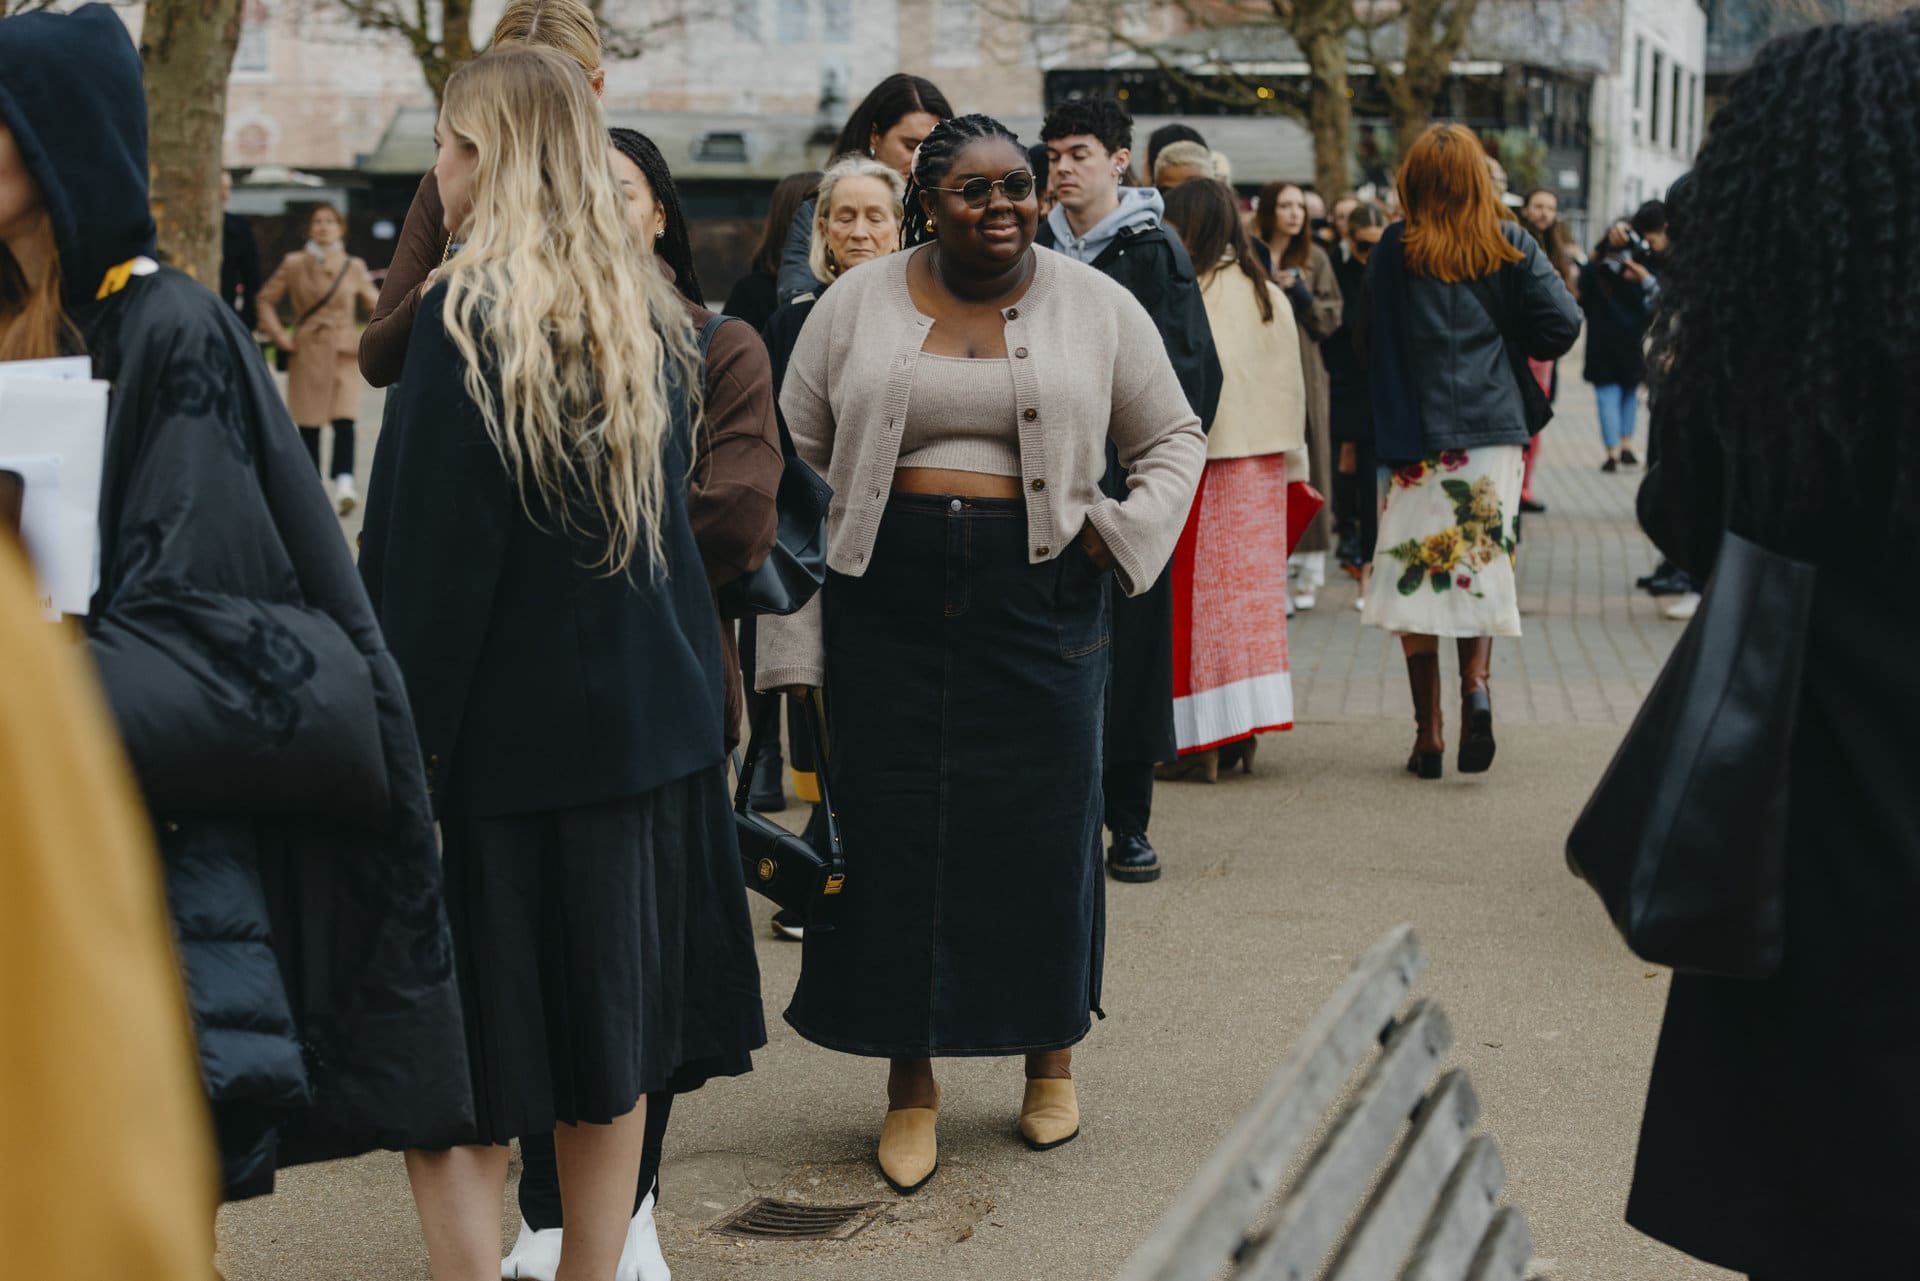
935	160
675	250
1798	354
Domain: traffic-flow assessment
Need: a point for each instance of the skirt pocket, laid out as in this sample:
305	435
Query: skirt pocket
1080	605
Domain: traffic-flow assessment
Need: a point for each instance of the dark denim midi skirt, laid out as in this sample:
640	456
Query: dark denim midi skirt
965	691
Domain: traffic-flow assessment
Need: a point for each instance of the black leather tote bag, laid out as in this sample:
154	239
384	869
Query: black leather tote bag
785	867
1685	838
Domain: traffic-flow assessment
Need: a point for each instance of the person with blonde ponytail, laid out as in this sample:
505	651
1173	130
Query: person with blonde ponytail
426	241
529	552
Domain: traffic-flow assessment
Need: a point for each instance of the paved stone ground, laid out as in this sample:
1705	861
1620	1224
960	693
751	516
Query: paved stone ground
1274	884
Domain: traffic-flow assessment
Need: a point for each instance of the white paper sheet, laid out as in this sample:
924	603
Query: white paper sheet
39	520
62	368
64	419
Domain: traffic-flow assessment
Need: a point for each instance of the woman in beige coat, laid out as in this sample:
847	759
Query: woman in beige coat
323	285
1231	677
1306	275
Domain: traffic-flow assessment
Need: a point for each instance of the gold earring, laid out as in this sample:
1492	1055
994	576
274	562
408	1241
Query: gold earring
929	226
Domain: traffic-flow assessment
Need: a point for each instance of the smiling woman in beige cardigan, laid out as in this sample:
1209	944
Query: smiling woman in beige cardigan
959	398
1230	569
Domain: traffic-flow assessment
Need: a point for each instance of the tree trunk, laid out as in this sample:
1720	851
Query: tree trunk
1329	112
187	46
454	50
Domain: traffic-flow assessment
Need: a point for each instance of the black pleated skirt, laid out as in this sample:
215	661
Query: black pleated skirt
603	952
965	690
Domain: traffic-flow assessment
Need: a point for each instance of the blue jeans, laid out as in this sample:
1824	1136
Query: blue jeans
1619	403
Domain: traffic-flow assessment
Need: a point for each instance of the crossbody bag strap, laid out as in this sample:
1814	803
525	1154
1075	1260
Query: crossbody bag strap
325	298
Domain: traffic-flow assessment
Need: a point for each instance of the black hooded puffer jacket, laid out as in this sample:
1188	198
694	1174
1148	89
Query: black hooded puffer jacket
265	720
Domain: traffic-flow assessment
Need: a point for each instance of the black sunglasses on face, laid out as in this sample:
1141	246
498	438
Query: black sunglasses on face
978	191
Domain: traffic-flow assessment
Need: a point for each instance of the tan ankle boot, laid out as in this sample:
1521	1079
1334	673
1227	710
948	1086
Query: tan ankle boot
1049	1115
909	1151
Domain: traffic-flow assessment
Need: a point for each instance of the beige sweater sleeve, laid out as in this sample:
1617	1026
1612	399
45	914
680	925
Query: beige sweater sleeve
1162	447
792	650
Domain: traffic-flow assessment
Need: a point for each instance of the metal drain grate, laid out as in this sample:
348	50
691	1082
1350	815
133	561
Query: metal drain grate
767	1219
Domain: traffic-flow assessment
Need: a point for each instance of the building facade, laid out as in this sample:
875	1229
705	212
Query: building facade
1651	110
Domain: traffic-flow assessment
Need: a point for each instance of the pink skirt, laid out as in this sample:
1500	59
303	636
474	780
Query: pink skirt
1230	672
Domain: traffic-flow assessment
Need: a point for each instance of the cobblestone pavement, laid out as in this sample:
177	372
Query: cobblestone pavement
1591	645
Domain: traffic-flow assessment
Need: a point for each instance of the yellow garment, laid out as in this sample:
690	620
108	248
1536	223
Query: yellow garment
106	1155
116	279
1263	392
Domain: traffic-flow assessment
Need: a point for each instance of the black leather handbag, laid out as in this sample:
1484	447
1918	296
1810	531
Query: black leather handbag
785	867
1685	839
797	565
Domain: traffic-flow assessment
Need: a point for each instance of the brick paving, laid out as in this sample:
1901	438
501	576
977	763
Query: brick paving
1591	644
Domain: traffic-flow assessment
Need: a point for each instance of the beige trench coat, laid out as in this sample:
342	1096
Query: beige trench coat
323	372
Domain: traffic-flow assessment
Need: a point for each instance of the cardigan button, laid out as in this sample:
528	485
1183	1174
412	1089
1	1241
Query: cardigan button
1042	552
1031	415
1013	313
1019	353
1039	484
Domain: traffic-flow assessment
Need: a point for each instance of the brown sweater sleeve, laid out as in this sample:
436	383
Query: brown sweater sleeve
383	347
737	466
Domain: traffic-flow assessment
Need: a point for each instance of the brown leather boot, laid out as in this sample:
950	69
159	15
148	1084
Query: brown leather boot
1429	744
1476	705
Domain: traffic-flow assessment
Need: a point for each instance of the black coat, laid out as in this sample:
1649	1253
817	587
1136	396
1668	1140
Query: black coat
1782	1117
510	635
754	298
240	275
268	727
1618	312
1154	267
1352	399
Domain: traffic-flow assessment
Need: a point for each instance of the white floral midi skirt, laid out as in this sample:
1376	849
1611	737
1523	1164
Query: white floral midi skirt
1444	562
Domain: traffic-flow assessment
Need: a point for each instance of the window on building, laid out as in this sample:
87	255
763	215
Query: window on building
746	19
254	53
837	20
792	21
1679	87
1639	112
1653	101
956	33
1047	20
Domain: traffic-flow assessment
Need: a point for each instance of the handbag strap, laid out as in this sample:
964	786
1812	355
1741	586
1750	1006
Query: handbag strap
325	298
766	721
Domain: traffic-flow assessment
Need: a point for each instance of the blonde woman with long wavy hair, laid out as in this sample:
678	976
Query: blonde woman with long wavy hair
528	550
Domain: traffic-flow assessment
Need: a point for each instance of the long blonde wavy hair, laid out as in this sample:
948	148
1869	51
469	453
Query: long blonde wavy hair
549	295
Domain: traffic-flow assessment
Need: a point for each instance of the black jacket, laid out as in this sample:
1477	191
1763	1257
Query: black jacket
538	681
1352	401
1153	266
264	719
240	276
1618	312
1456	376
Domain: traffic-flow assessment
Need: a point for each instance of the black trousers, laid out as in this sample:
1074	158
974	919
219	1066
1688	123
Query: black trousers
1358	500
1129	797
540	1175
342	446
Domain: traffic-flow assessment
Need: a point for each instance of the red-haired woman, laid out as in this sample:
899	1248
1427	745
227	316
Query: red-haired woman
1306	274
1448	291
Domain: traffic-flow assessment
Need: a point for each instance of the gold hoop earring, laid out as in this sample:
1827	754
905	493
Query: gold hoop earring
930	227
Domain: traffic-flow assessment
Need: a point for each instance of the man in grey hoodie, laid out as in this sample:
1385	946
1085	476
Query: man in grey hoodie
1117	230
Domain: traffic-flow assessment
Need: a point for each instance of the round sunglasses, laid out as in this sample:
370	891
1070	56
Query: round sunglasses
978	191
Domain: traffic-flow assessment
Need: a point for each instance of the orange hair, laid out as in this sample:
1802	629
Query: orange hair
1453	213
33	323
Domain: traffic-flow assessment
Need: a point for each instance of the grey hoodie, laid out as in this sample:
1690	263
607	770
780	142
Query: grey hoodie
1139	207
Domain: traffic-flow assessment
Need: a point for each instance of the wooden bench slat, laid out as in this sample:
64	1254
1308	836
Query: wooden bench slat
1383	1238
1505	1251
1210	1218
1452	1235
1308	1221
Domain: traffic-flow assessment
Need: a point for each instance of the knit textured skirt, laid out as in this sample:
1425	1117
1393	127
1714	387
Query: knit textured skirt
1230	677
965	692
603	952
